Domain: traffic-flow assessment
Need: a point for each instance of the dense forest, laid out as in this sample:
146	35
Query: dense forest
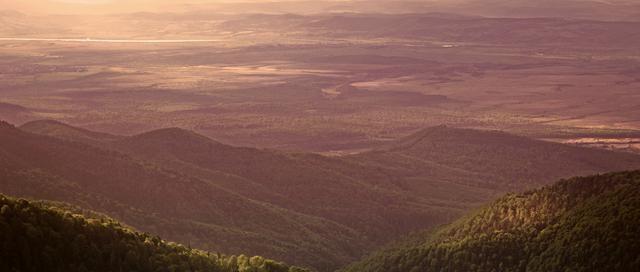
41	236
581	224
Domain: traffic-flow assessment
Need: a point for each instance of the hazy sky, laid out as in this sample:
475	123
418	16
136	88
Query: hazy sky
118	6
96	6
114	6
106	6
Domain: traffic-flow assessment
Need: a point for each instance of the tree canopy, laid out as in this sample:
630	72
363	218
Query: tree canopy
41	236
582	224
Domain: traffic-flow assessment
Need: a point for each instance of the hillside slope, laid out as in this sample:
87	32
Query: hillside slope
582	224
175	205
490	159
305	183
41	236
365	200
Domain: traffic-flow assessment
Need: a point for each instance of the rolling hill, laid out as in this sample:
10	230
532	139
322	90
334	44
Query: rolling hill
44	236
305	183
156	200
64	131
302	208
491	159
15	113
581	224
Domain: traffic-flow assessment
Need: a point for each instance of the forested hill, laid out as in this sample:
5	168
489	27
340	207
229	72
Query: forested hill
39	236
306	209
582	224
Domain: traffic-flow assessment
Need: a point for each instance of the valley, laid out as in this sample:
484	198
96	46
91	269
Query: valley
328	136
293	82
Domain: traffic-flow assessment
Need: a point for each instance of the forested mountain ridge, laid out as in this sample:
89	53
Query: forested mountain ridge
581	224
305	209
306	183
175	205
42	236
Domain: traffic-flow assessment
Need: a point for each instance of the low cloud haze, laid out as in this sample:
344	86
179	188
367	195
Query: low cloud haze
611	10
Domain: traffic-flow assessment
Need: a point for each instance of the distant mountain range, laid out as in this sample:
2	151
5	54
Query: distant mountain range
471	21
448	27
582	224
305	209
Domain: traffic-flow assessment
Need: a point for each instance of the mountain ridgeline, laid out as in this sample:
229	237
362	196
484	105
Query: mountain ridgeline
581	224
41	236
162	201
305	209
